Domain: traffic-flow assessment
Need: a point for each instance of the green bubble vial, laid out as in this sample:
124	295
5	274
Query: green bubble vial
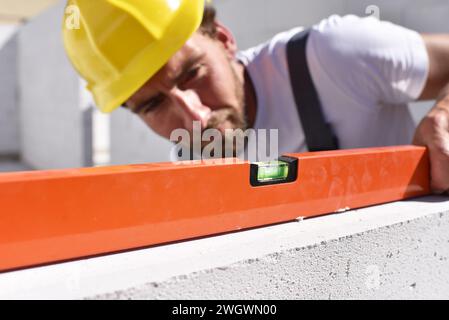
272	171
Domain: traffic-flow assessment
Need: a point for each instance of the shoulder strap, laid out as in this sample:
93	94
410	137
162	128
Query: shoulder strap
319	134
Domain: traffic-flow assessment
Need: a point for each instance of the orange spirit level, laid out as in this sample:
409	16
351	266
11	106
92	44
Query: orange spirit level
52	216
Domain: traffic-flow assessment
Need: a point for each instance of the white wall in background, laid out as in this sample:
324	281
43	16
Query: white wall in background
133	142
7	31
51	116
9	124
255	21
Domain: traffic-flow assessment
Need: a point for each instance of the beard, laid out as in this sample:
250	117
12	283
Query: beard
229	124
229	118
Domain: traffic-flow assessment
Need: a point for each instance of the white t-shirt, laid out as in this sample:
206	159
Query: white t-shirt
365	71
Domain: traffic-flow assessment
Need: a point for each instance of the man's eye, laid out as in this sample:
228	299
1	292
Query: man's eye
153	104
192	74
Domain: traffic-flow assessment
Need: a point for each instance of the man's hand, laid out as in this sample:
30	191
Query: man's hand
433	132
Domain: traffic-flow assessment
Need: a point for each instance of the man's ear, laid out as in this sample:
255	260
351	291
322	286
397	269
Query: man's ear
225	36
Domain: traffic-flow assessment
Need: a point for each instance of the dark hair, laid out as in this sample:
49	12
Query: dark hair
208	24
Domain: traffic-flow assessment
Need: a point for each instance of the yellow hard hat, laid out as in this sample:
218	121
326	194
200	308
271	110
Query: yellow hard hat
118	45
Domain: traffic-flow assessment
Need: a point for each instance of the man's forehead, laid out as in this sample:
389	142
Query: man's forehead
191	50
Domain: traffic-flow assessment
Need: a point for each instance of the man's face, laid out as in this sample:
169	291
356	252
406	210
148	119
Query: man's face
201	82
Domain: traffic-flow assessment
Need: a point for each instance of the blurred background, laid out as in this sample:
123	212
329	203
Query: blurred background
47	119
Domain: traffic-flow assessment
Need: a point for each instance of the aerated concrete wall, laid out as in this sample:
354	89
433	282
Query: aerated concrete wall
9	111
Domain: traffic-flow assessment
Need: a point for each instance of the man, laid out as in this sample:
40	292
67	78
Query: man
172	65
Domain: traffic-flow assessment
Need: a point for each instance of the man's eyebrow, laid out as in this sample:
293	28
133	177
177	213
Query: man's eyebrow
187	66
184	69
142	105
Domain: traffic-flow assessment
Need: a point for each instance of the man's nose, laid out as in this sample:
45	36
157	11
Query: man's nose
190	104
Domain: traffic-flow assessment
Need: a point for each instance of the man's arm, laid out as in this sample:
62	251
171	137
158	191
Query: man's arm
438	50
433	131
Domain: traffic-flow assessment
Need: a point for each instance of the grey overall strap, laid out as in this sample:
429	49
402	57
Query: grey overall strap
319	134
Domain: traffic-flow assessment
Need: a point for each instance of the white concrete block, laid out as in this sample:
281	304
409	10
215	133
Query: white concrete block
388	10
427	16
9	114
7	31
133	142
10	165
256	21
51	116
